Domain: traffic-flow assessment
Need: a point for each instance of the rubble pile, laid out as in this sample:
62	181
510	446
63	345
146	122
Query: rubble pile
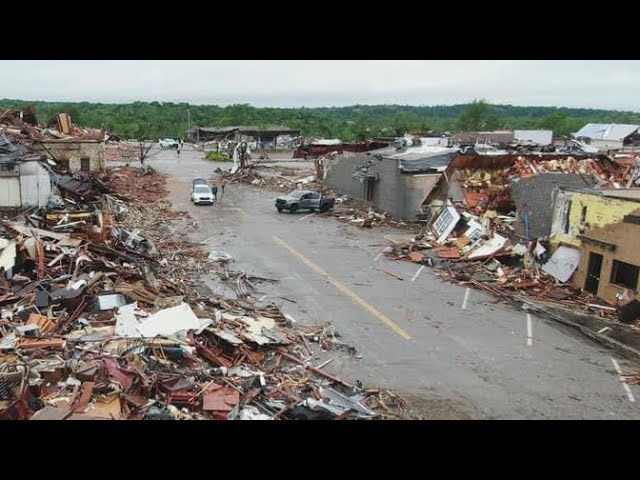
586	166
482	252
100	319
510	271
364	217
135	184
121	151
491	187
277	181
23	126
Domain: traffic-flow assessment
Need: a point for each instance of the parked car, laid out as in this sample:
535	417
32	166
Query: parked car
168	143
201	194
198	181
304	199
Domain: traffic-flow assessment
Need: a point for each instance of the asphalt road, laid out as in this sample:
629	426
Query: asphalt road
454	353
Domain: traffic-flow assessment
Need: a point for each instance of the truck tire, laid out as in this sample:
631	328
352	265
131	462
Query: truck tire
312	210
279	209
324	208
293	209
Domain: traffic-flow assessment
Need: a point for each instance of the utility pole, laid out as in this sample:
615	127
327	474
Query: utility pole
188	120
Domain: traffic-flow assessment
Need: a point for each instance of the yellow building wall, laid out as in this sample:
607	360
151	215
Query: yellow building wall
625	237
601	211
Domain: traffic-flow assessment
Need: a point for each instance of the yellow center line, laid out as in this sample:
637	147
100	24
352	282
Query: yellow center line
343	288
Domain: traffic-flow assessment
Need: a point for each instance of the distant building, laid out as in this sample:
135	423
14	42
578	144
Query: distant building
609	136
473	138
266	136
539	137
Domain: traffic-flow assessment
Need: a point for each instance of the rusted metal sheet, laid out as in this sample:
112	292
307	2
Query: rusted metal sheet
85	396
448	252
27	343
221	399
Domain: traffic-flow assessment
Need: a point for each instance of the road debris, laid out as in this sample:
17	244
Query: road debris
481	251
103	318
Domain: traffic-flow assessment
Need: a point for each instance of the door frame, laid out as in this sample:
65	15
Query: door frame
590	264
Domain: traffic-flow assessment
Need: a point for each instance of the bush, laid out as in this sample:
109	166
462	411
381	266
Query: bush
218	157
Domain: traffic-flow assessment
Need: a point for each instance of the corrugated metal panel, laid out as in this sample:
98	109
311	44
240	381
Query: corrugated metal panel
35	184
606	144
9	192
606	131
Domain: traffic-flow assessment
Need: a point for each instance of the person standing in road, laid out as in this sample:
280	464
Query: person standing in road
214	191
222	187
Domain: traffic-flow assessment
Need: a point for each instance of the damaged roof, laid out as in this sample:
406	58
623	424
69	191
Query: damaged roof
606	131
424	158
78	186
413	163
11	151
248	130
631	194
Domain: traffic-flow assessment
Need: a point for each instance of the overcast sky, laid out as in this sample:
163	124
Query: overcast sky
611	84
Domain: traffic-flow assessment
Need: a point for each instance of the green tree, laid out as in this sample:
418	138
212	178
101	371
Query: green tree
362	127
554	121
400	123
479	115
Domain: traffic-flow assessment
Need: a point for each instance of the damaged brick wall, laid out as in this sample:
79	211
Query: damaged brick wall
74	152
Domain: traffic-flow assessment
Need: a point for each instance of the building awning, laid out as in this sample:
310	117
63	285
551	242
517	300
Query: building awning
602	244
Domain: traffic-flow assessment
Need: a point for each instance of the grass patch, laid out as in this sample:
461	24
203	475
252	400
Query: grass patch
218	157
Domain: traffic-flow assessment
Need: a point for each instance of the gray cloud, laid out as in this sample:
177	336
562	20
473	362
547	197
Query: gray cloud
293	83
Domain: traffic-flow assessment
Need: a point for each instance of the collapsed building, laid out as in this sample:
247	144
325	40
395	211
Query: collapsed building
264	137
393	180
72	147
529	215
323	147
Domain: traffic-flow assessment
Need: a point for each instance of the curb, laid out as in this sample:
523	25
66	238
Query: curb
627	342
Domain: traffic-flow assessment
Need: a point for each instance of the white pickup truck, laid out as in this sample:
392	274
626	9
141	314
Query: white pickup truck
168	143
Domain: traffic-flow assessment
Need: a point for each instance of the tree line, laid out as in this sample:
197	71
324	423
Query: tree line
153	120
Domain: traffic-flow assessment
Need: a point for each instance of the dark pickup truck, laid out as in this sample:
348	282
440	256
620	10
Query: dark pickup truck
304	199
